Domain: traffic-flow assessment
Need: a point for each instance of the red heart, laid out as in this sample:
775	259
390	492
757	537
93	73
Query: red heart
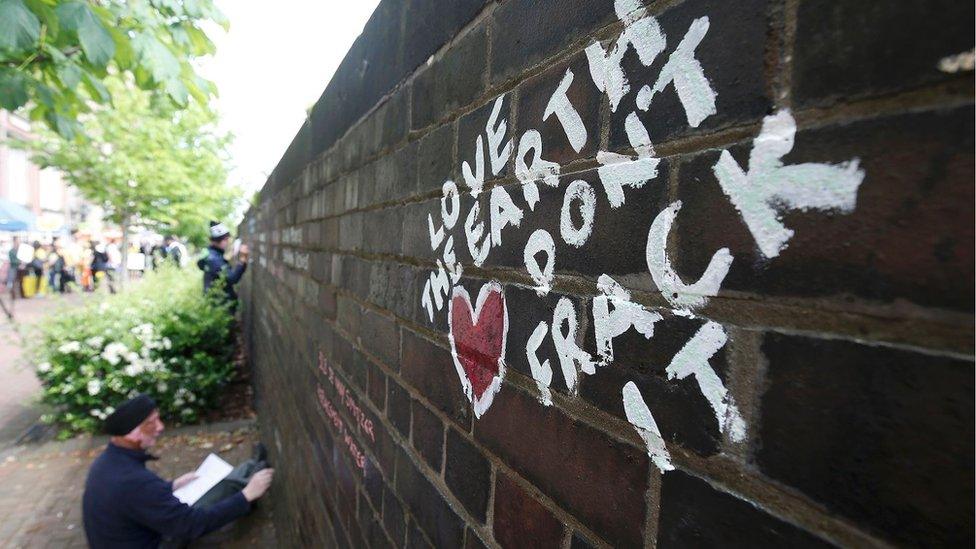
478	335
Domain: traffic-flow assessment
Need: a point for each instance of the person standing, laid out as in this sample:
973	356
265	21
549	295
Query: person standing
37	266
56	268
100	267
173	250
215	267
15	274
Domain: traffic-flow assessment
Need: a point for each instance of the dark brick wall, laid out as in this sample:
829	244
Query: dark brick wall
819	392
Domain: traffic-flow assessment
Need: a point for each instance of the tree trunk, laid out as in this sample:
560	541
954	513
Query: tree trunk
124	278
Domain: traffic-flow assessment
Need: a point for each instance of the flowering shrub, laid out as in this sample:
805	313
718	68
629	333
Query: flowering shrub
162	336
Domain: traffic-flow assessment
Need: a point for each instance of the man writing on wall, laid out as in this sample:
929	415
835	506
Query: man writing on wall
215	267
127	505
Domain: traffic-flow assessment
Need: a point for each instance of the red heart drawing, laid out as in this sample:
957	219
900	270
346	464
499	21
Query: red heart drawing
478	336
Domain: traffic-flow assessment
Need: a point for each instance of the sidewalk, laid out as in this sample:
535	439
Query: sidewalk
40	498
41	484
19	406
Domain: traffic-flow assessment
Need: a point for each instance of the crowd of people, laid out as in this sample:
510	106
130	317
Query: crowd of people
67	264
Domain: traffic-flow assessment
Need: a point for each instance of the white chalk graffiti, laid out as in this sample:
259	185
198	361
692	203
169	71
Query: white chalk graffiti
769	183
676	292
478	333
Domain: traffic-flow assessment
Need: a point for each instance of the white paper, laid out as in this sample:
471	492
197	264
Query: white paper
211	471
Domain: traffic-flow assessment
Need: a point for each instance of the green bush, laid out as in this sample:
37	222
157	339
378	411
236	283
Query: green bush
161	336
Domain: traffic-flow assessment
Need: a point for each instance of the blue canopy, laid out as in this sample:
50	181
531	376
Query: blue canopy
14	217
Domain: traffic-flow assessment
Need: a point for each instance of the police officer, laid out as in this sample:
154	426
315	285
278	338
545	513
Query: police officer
214	265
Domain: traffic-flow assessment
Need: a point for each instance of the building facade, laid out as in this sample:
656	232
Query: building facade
58	207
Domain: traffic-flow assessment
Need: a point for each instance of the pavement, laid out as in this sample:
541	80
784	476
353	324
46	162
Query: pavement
41	483
20	407
41	486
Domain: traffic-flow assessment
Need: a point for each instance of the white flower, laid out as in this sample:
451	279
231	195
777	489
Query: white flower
144	330
113	352
95	341
109	411
167	344
134	369
115	383
190	397
162	387
69	347
99	414
186	412
44	367
94	386
178	401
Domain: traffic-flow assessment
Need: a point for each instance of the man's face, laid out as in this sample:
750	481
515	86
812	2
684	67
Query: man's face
222	243
149	430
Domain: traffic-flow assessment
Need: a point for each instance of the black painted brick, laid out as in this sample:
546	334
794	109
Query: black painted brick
882	436
433	515
846	50
731	56
525	32
452	81
398	407
432	24
695	514
679	408
908	220
474	124
468	474
533	96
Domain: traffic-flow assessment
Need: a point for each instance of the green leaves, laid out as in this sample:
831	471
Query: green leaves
19	28
13	89
96	42
63	51
164	167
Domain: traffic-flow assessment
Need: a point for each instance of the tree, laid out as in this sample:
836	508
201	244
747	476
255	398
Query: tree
55	55
147	162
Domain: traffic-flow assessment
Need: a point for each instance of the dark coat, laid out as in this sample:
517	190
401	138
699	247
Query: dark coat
214	267
126	505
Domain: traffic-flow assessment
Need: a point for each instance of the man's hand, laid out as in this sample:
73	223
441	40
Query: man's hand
243	252
258	485
183	480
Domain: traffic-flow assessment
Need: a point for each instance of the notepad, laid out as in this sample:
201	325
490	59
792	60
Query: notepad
209	473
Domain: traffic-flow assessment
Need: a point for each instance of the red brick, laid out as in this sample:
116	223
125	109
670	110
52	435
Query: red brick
430	369
428	435
521	520
601	481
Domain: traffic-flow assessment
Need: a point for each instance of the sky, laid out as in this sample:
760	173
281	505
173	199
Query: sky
272	65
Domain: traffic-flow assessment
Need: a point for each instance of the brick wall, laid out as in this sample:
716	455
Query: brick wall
570	273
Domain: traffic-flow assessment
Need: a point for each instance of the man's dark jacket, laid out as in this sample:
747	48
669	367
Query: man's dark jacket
128	506
214	267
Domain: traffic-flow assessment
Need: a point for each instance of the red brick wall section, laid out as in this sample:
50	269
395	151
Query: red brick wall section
590	273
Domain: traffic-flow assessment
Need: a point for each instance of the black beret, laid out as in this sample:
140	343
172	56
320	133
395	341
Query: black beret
129	415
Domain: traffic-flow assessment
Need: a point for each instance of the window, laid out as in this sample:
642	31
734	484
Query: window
17	180
52	191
